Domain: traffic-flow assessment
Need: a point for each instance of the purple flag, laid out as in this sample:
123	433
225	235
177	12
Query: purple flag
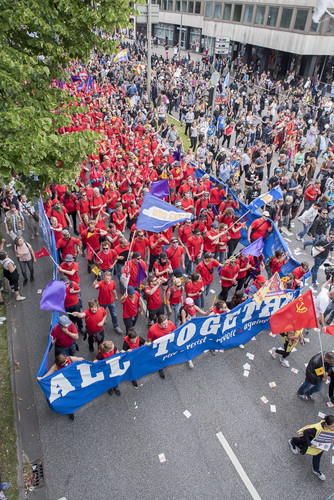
81	84
255	248
53	297
160	189
141	274
89	83
75	78
214	210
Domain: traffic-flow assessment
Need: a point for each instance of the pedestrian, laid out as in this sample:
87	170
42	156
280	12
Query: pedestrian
175	254
26	257
260	227
107	297
132	341
308	445
95	317
14	222
317	371
64	336
10	272
158	330
323	302
321	251
107	349
174	300
290	341
132	304
30	215
228	277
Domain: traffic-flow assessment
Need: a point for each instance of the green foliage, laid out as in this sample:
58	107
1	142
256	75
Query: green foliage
62	32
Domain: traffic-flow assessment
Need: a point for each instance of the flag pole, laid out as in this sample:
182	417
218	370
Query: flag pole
94	252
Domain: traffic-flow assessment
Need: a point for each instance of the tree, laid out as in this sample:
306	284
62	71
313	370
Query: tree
39	39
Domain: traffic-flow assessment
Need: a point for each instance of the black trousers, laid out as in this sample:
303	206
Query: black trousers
23	266
77	321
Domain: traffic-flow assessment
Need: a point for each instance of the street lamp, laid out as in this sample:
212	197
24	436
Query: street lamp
214	82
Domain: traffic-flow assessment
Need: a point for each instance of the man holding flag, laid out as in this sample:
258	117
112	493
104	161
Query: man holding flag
260	227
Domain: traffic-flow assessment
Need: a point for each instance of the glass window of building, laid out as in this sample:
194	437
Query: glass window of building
218	10
300	19
272	16
184	6
208	9
237	12
286	18
260	13
197	7
164	5
190	7
315	27
170	5
227	11
330	28
248	15
177	6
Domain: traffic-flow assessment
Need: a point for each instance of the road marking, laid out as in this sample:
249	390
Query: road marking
247	482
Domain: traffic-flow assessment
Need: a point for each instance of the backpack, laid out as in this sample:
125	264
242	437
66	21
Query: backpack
268	263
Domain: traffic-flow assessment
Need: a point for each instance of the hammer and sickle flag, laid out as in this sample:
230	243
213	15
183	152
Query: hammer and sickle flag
298	314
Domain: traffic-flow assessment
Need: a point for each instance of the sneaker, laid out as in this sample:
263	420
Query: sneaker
91	348
19	297
273	352
293	448
135	384
320	475
285	362
332	399
110	391
302	396
25	281
118	330
190	364
241	346
298	237
5	486
117	391
71	416
32	279
2	496
162	374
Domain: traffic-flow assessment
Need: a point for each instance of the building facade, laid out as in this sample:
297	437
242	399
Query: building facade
280	36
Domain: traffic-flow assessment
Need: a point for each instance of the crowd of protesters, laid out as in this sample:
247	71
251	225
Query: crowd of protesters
267	134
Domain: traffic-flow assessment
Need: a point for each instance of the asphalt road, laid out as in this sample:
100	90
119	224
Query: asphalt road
112	448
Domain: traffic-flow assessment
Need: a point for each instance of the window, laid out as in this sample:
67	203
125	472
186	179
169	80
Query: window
208	9
259	16
286	18
218	10
227	11
248	15
164	5
272	16
237	13
190	7
330	28
315	27
170	5
301	19
197	7
177	6
184	6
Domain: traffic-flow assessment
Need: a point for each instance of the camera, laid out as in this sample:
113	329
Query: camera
329	271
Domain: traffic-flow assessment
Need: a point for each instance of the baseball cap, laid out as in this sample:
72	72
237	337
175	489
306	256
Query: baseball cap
266	213
69	258
189	301
163	256
197	231
131	290
64	321
136	255
214	224
260	278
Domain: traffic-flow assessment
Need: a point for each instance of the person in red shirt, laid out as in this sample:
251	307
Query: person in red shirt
107	297
279	260
187	203
70	268
119	217
311	194
82	206
111	197
97	202
60	213
175	254
105	257
211	239
73	303
194	250
158	330
162	268
205	269
245	265
195	288
56	228
300	271
127	197
64	336
174	300
105	350
131	269
216	194
132	341
228	277
184	232
67	245
222	243
155	248
186	187
220	307
141	244
155	305
95	317
235	236
260	227
91	238
121	253
132	304
69	201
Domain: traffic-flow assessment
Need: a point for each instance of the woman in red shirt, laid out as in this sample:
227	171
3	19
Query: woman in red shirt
174	300
95	317
277	262
235	236
106	350
195	288
155	305
131	302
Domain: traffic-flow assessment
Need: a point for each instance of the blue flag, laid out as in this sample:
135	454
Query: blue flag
264	199
89	83
226	81
255	248
156	215
160	189
53	297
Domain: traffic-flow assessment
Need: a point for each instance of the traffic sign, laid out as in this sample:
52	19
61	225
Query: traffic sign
211	130
222	51
223	39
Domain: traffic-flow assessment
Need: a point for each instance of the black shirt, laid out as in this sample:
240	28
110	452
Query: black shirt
328	246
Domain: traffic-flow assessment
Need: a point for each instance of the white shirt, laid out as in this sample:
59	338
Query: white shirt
321	302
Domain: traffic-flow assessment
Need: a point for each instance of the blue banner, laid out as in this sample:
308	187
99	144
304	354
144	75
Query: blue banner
70	388
156	215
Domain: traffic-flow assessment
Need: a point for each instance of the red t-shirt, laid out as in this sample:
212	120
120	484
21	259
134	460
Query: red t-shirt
130	309
196	288
67	246
154	301
92	319
155	332
184	233
206	270
158	249
71	299
62	339
134	271
298	273
140	246
209	245
194	246
259	228
216	195
175	296
106	295
174	255
276	266
74	265
107	260
83	206
93	239
228	272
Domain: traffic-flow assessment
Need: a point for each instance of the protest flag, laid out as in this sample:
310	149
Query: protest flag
89	83
330	330
141	274
95	270
214	210
121	56
160	189
42	253
274	288
139	70
298	314
255	248
263	199
53	297
156	215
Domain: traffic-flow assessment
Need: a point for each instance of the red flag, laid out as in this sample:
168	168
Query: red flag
300	313
330	330
90	252
42	253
